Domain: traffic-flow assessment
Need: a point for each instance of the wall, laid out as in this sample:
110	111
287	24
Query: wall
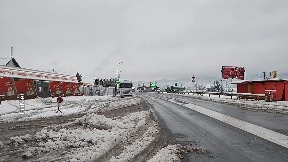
258	88
66	89
242	88
55	89
280	91
75	88
25	86
7	88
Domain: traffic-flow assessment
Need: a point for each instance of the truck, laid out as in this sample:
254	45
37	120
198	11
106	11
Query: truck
173	89
125	88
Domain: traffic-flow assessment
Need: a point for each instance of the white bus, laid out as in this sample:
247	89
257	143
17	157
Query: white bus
125	88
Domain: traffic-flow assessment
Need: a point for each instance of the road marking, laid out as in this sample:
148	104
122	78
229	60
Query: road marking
262	132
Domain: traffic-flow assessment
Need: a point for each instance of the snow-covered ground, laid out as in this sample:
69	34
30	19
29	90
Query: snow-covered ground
279	106
39	108
167	154
85	138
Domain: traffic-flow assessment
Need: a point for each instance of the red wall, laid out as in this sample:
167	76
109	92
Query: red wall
55	88
25	86
270	85
6	84
279	90
242	88
286	91
66	89
75	88
258	88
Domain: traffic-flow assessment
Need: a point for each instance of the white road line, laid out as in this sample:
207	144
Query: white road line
262	132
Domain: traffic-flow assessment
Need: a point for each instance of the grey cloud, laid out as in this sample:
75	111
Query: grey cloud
155	39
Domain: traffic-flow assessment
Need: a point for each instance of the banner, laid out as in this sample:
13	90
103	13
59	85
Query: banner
66	89
75	88
7	87
55	88
25	86
233	72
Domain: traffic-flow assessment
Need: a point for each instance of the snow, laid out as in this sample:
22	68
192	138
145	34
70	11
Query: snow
95	136
136	147
42	108
167	154
279	106
86	138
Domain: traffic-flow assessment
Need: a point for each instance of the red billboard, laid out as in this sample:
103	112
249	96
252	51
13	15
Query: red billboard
66	89
55	88
7	87
233	72
75	88
25	86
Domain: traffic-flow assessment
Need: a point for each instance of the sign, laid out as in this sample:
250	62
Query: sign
274	74
153	85
22	103
232	72
193	79
117	80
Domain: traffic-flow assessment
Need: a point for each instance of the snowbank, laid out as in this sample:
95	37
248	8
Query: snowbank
279	106
87	138
167	154
42	108
136	147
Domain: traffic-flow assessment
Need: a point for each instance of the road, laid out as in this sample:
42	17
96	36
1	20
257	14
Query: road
221	141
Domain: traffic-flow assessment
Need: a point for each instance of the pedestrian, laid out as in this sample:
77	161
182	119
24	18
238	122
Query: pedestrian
59	101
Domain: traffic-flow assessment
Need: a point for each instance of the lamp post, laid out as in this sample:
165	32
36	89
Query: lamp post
117	78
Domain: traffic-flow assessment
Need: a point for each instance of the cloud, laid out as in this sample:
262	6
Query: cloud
155	39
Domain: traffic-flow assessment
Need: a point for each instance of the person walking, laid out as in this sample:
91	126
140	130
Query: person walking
59	101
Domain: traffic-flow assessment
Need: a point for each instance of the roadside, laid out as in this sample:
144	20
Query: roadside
110	130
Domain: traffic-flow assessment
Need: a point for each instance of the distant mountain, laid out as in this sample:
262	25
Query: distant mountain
185	82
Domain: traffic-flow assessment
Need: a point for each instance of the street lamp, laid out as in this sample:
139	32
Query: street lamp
117	70
117	78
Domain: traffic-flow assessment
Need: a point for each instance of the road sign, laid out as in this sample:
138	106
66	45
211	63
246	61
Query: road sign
193	78
153	84
117	80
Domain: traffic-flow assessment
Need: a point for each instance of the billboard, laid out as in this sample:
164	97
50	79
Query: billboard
75	88
233	72
66	89
25	86
55	88
7	87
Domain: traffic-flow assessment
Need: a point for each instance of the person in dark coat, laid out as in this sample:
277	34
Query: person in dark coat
59	102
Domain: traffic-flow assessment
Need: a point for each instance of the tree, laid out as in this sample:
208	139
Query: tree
79	78
218	87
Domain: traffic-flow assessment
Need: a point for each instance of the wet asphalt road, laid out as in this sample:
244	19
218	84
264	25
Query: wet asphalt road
220	141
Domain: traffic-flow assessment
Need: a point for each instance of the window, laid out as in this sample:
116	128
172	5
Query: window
126	85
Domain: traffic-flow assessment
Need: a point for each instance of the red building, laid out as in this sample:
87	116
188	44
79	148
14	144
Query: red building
260	86
15	80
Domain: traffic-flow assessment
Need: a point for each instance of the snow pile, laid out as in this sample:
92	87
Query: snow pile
125	103
95	136
167	154
136	147
279	106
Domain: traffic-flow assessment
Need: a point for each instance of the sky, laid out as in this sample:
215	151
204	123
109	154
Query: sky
155	39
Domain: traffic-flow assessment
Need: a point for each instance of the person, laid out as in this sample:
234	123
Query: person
59	101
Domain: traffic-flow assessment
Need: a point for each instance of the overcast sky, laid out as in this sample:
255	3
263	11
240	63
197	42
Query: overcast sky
155	39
